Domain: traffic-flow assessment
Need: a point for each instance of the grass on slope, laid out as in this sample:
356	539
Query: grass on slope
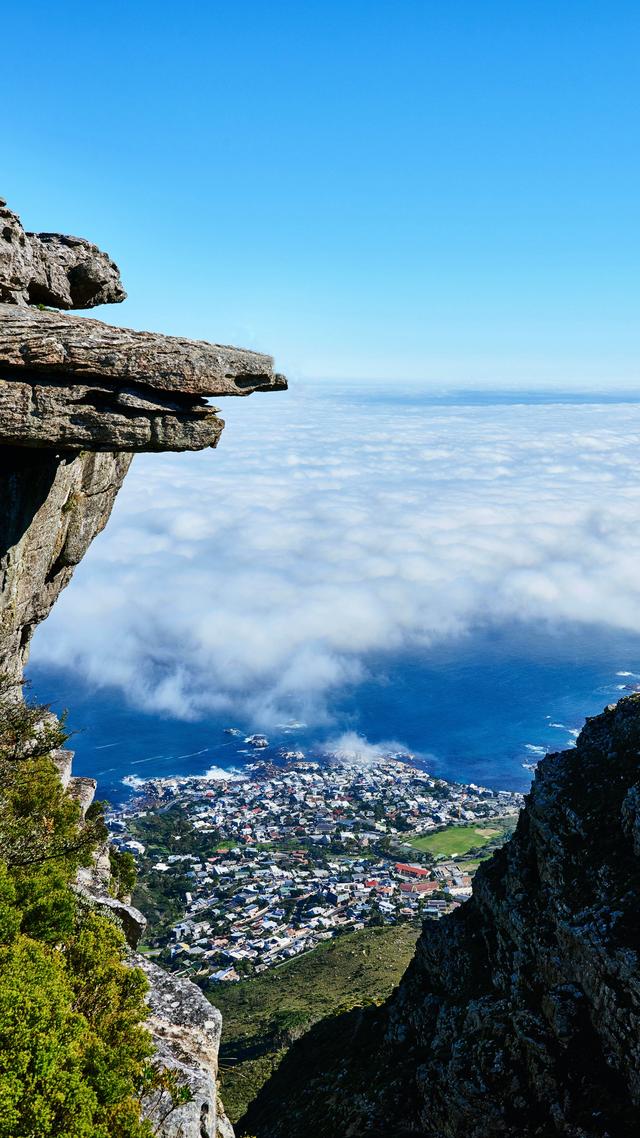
461	839
262	1017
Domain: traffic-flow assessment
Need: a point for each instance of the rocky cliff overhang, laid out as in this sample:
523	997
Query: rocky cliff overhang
78	398
72	383
75	383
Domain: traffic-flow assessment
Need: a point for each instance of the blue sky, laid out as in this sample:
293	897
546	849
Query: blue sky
398	190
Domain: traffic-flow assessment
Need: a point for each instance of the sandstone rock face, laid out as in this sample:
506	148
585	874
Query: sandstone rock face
103	417
186	1031
70	383
48	268
132	922
64	763
520	1014
73	383
77	399
52	508
48	344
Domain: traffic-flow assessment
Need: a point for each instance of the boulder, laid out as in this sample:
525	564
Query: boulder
186	1031
52	269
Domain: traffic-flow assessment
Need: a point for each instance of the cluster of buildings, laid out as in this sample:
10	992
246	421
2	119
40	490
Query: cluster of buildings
295	852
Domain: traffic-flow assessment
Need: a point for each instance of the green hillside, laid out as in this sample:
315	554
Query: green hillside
262	1017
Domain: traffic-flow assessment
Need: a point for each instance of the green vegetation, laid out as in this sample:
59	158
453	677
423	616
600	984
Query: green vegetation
170	831
262	1017
161	897
123	873
470	864
460	840
74	1052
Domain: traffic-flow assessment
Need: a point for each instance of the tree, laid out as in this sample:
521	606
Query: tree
74	1051
39	820
42	1085
123	873
376	918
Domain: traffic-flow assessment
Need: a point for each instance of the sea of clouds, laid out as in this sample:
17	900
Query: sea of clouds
336	522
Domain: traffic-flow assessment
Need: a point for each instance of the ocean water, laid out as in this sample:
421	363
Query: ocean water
475	711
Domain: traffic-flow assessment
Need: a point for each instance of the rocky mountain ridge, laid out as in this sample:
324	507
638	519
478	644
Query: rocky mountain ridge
78	398
520	1013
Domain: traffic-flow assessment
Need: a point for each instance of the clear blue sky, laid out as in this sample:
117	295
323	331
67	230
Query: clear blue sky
438	190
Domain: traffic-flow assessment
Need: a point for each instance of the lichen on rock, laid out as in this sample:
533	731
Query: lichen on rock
186	1031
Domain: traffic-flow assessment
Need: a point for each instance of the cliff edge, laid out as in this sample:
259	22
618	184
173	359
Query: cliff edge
78	399
520	1013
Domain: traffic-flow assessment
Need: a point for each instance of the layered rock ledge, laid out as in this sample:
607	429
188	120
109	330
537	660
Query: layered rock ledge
72	383
75	383
78	398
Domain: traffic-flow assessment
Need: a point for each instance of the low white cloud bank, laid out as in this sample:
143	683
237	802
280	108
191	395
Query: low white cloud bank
353	748
330	525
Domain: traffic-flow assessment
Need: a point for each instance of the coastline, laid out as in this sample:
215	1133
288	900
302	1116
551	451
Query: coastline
467	728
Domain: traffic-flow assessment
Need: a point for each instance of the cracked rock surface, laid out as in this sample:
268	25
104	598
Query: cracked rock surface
186	1031
75	383
52	508
49	344
103	417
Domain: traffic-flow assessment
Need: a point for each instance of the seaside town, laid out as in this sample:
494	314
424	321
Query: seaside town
243	871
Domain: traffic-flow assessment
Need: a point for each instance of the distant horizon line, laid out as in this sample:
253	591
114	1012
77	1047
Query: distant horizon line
440	392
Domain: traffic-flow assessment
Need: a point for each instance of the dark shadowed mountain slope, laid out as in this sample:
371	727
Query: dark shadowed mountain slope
520	1013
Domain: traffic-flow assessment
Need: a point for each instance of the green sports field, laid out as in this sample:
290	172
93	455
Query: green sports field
459	840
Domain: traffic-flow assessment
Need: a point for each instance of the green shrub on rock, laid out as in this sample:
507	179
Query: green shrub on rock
74	1051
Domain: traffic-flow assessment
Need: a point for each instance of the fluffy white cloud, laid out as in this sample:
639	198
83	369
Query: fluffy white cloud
332	523
353	748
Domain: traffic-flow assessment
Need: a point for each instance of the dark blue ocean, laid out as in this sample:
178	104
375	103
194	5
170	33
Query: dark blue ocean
477	710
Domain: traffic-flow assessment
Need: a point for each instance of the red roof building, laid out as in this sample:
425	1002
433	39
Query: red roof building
419	886
411	870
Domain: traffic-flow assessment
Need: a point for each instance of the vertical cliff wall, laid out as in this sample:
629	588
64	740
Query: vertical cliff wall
78	399
53	505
